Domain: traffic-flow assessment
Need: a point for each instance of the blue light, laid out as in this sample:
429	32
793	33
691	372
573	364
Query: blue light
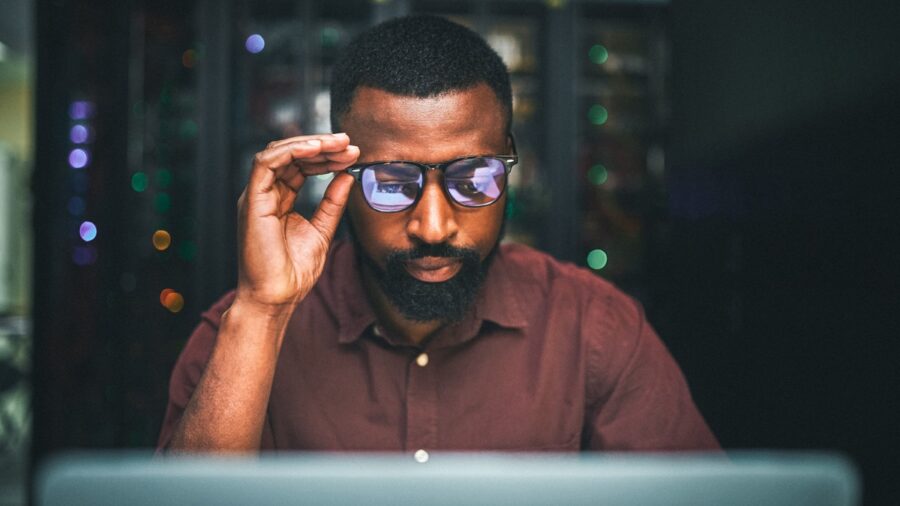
81	109
255	43
87	231
78	158
84	255
78	134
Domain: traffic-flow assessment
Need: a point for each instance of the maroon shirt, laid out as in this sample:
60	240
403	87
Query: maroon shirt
552	358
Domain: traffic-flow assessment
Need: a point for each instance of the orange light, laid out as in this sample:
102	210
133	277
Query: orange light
174	302
163	294
189	58
162	240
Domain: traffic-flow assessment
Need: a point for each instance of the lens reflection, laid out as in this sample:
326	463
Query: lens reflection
470	182
475	182
391	187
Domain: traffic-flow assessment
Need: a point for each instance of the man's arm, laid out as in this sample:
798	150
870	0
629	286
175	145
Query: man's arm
280	257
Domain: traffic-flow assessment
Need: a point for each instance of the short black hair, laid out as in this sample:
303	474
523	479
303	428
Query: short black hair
421	56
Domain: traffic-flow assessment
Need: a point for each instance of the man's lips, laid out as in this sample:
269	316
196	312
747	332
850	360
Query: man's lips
433	269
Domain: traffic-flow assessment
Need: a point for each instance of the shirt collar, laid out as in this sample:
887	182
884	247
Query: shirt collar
349	298
500	300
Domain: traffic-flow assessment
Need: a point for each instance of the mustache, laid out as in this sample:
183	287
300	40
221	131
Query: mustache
433	250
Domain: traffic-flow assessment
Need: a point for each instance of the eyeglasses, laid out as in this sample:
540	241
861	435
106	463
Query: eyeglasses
471	181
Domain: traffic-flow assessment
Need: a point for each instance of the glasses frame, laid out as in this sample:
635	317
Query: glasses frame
508	161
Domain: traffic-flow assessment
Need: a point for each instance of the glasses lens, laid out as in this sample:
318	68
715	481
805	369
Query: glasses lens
475	182
391	187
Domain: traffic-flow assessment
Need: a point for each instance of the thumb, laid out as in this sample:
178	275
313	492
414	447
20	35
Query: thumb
328	213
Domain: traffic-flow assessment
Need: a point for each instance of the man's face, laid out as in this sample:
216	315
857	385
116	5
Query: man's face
432	247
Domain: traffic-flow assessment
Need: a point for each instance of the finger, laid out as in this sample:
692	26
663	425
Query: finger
350	154
315	169
299	138
328	214
330	142
287	198
295	182
269	163
335	143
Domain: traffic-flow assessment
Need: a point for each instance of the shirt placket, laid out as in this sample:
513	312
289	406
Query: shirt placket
421	406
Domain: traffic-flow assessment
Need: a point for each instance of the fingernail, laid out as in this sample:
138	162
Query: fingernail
314	142
339	134
351	146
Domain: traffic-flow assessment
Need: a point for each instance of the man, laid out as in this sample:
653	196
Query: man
422	333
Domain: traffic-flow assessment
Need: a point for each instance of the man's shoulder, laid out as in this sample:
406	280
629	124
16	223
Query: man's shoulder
526	265
543	280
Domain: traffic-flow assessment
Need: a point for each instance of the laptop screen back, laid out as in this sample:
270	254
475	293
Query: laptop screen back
449	479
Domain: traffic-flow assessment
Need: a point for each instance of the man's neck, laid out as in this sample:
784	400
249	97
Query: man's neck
390	319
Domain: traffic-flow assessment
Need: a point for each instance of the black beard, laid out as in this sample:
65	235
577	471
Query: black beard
446	301
419	301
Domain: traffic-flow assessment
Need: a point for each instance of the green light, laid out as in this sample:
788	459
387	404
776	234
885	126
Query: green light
512	202
598	54
187	250
597	259
139	181
163	178
162	202
598	174
598	114
188	129
165	96
330	36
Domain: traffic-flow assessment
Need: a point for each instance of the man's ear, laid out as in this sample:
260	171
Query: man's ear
510	144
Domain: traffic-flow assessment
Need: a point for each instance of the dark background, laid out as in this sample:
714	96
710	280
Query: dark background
771	272
781	287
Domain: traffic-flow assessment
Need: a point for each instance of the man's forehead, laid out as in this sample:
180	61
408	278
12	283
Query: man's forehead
377	108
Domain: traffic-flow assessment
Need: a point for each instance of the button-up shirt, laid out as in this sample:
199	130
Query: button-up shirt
551	357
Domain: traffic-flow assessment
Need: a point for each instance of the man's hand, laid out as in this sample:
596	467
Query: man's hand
281	257
281	254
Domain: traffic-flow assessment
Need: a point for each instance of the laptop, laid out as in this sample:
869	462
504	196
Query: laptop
450	479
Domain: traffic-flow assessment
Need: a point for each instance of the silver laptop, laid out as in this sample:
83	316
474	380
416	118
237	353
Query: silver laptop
450	479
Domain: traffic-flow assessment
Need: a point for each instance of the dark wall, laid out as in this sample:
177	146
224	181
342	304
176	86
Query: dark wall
779	277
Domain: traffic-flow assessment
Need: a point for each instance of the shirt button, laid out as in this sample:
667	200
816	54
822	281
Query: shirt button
422	360
421	456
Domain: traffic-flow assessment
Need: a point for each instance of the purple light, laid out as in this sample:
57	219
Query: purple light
78	134
87	231
81	109
76	206
84	255
255	43
78	158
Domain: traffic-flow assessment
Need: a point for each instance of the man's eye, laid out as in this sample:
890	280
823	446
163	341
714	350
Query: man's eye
469	186
407	188
390	187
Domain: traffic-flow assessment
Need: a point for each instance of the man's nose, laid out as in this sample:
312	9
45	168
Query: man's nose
433	219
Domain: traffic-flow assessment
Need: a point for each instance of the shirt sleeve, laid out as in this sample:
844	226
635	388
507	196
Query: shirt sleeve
638	397
190	366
